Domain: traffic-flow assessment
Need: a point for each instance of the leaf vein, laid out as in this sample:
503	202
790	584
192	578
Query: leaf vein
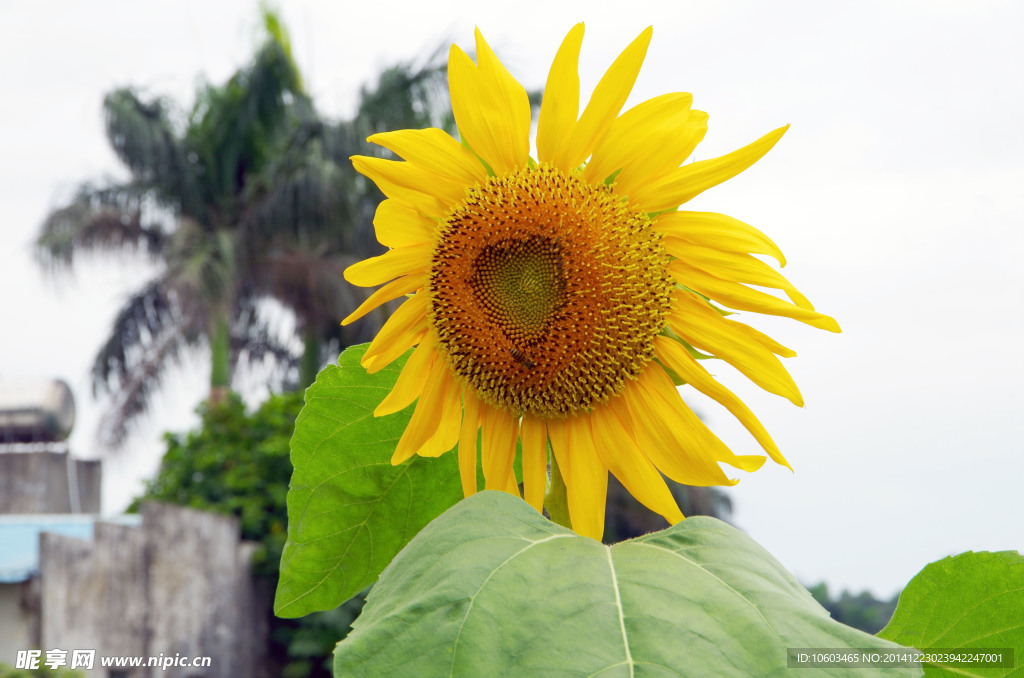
472	598
716	578
618	609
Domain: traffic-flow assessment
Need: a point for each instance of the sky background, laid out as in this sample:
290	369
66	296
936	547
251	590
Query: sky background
897	196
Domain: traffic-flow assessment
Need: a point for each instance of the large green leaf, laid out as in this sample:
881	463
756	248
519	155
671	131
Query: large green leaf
491	588
973	601
349	510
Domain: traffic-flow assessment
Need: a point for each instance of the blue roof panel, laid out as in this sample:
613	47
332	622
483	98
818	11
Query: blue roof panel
19	538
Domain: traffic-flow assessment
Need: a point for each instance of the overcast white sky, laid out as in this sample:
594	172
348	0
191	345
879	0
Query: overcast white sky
897	196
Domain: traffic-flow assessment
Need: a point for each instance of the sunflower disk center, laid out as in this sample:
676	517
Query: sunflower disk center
519	284
546	292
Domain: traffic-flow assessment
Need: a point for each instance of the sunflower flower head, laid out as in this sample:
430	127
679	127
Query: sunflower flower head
559	300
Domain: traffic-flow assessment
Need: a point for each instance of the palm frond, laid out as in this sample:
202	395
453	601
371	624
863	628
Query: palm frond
310	282
255	342
407	96
146	317
341	140
301	197
109	218
278	33
271	84
232	128
132	395
149	334
144	138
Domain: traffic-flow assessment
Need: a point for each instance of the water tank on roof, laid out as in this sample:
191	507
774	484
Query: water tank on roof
36	411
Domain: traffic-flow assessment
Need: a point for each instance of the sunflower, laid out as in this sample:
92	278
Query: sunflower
561	300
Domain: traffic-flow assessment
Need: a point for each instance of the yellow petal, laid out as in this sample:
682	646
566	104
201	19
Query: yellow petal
467	441
406	326
620	454
750	334
677	359
398	225
586	478
743	298
561	102
678	186
700	325
514	130
409	385
500	429
491	109
390	265
535	460
647	141
718	231
435	419
512	487
430	193
605	103
746	333
448	426
735	267
666	157
394	289
435	151
654	118
671	435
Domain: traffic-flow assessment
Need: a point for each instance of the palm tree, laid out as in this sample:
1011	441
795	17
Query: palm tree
183	207
251	197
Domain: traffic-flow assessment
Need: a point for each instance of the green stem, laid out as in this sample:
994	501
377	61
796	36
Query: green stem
556	501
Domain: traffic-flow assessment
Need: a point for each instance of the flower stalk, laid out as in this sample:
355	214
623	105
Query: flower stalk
556	500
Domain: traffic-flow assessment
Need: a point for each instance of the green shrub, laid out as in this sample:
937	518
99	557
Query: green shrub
8	671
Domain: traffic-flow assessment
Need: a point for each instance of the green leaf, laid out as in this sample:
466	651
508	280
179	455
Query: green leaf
349	510
969	601
492	588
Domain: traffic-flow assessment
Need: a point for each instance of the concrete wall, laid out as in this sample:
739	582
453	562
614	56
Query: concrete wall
202	598
179	585
37	482
15	622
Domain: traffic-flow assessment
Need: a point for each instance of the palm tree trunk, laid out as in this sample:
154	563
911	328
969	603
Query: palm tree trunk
220	360
310	364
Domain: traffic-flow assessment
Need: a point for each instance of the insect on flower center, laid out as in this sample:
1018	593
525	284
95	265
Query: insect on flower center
547	292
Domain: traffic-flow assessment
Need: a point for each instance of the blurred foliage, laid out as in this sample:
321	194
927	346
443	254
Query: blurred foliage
7	671
861	611
247	197
235	463
238	463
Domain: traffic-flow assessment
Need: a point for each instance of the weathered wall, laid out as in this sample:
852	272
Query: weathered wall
15	622
179	585
92	593
208	607
37	482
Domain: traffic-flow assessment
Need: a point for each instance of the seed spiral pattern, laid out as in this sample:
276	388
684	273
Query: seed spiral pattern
546	292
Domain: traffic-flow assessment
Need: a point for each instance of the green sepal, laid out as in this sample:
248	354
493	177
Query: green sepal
610	179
